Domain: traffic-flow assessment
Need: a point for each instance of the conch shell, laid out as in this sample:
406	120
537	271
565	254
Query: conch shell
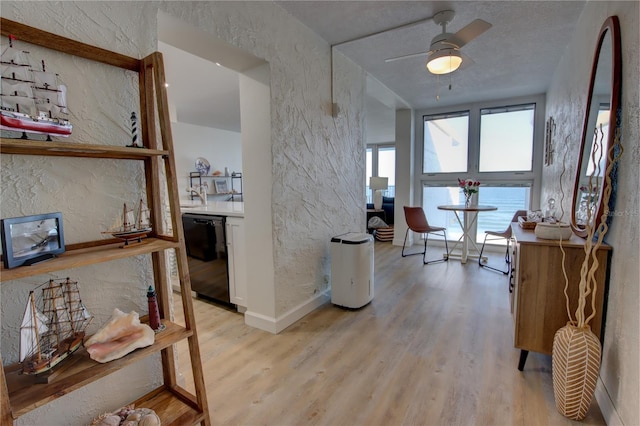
122	334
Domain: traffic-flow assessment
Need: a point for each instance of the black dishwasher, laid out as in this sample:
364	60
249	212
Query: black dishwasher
206	245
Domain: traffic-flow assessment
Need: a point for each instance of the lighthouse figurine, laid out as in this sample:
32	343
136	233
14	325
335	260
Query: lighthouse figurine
154	314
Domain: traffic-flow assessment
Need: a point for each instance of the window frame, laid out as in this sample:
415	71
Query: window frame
375	151
450	114
532	178
502	110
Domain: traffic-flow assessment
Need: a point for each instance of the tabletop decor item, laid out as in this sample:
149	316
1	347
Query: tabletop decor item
203	166
122	334
134	132
31	239
154	313
468	187
553	230
53	326
576	349
33	98
128	415
221	186
131	227
378	185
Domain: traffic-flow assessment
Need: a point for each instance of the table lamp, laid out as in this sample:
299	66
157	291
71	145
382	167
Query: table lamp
377	185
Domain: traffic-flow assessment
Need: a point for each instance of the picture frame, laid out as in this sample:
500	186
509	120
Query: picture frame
222	187
31	239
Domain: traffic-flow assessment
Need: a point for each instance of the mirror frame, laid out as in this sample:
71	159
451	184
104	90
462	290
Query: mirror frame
612	26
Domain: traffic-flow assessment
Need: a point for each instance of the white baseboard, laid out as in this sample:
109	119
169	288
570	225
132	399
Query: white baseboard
606	405
276	325
260	321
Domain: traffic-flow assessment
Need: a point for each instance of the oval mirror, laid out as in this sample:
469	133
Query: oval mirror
598	130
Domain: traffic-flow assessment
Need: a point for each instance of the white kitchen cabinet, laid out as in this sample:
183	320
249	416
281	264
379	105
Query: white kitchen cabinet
237	261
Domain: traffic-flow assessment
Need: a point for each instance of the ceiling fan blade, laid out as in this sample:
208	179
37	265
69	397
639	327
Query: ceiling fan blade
466	61
471	31
412	55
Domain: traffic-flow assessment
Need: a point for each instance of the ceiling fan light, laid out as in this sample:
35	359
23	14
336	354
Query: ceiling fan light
444	61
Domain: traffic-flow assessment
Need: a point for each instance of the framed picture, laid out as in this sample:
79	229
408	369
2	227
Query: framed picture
221	186
30	239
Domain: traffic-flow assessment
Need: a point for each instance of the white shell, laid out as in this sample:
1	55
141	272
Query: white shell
553	231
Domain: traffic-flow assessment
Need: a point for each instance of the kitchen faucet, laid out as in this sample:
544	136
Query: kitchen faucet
200	192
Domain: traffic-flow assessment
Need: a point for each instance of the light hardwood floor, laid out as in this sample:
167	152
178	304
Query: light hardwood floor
434	347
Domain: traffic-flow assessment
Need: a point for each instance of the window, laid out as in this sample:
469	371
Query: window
381	161
598	152
506	133
446	143
492	144
508	199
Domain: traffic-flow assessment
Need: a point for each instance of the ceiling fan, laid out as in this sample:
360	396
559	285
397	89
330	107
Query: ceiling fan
444	51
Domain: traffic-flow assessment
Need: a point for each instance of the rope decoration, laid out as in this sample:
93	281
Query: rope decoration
588	283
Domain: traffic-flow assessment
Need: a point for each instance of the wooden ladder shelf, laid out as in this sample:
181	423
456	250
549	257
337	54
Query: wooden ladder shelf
172	403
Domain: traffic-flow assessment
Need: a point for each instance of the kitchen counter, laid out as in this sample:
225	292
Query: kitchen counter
214	208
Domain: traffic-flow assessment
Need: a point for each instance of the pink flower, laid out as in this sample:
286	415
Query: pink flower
468	186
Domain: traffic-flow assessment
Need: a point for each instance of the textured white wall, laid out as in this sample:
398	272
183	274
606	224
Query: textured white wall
566	102
317	174
88	192
317	170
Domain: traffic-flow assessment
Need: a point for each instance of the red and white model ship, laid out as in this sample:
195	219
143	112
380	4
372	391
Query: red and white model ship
32	100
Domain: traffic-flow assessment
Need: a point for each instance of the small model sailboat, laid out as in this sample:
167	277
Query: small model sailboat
53	325
130	226
32	100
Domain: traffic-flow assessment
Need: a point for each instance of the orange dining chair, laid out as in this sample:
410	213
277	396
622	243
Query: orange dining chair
417	222
498	235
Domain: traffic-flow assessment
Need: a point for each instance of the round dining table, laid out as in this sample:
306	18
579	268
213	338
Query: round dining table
469	218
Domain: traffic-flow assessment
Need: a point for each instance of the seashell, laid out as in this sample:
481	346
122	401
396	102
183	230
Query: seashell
106	419
122	334
150	419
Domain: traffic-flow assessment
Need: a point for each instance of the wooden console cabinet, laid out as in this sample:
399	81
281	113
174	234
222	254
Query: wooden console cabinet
537	296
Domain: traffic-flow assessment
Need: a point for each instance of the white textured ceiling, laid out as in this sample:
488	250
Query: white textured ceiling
200	92
516	56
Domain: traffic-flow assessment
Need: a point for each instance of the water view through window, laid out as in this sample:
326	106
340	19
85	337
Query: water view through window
508	199
498	152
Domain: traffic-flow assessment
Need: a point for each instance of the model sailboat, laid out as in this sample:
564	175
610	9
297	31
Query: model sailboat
132	226
53	325
32	100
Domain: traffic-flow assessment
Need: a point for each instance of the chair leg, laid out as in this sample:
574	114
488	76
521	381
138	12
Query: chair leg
411	254
482	250
443	259
446	246
424	252
491	267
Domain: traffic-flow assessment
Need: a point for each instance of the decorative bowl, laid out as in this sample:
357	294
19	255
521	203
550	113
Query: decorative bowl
203	166
553	231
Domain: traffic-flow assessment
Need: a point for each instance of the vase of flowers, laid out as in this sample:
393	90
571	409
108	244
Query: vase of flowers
468	187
